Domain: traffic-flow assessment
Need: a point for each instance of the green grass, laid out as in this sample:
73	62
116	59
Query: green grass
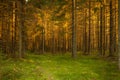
58	67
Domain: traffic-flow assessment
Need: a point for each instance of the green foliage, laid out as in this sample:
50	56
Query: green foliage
59	67
60	17
38	3
83	1
99	0
59	5
39	27
42	3
95	9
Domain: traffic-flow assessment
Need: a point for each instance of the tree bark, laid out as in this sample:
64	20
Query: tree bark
119	33
74	46
21	27
89	29
43	34
101	30
85	35
111	46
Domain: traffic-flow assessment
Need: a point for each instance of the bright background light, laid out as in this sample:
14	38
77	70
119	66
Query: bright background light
26	0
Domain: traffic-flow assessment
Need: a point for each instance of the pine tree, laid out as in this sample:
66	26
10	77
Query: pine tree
74	46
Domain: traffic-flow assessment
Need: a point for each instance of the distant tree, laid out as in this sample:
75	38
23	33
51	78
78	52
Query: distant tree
85	34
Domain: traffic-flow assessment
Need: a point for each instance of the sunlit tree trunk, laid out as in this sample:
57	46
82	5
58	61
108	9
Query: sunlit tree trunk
13	36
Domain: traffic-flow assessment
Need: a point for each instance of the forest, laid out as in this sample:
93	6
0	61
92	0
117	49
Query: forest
59	40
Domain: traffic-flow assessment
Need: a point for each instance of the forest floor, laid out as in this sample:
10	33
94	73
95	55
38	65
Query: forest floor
58	67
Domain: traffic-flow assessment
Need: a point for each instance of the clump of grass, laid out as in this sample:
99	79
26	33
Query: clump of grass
10	73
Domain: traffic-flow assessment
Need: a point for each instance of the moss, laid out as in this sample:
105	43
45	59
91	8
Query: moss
59	67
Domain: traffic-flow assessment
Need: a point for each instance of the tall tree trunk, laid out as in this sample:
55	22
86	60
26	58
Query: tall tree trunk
21	27
103	53
3	33
98	32
85	35
20	33
13	40
111	46
16	29
74	45
115	32
119	33
101	30
89	29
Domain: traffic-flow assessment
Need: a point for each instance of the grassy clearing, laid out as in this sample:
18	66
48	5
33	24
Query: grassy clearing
58	67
